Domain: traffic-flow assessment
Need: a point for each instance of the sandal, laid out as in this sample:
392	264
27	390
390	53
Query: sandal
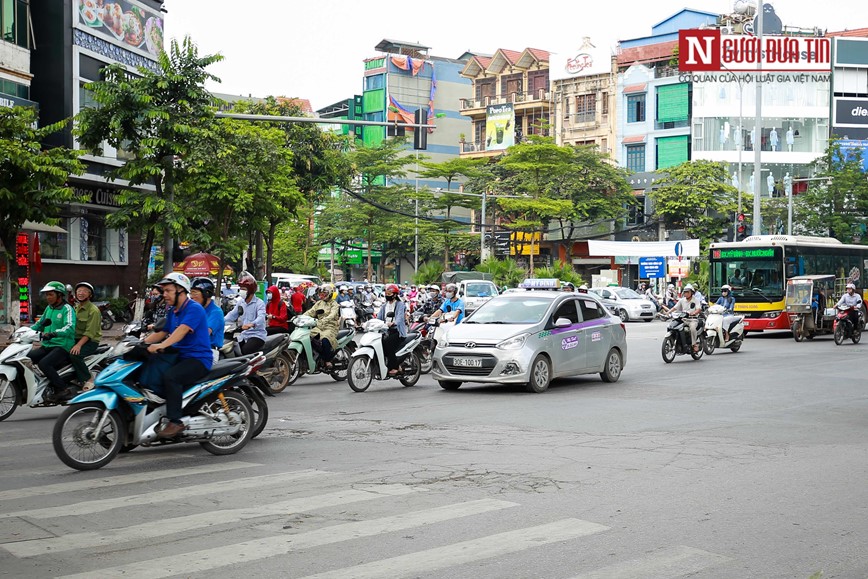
393	372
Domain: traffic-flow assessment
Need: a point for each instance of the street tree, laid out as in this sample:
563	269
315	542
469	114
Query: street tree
32	178
696	196
836	204
156	116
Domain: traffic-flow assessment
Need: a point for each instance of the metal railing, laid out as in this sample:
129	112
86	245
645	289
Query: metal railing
539	95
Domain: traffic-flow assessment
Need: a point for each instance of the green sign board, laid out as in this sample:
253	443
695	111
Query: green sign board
761	253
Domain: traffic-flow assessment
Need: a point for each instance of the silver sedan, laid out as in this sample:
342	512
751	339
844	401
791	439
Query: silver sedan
531	337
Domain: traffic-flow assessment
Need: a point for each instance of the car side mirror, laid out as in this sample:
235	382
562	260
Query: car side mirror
563	323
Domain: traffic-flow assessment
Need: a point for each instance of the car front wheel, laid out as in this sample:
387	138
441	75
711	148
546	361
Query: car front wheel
623	315
540	375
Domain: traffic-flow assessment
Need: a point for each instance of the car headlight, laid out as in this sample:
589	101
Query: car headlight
513	343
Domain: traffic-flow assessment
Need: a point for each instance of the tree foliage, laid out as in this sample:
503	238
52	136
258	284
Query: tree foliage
32	178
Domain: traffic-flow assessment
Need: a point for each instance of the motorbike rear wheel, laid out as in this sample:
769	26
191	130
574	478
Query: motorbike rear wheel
360	373
280	378
232	443
9	399
856	335
260	410
735	346
294	361
106	321
342	357
701	350
412	368
668	349
839	334
710	345
78	445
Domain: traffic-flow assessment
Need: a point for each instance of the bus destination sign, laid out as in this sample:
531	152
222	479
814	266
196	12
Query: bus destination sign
742	253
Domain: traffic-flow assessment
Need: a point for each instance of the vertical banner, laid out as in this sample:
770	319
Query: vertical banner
22	266
499	127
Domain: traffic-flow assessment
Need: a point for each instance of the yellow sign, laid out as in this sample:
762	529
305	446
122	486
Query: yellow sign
760	307
521	242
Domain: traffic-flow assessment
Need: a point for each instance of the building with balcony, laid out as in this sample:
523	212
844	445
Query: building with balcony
511	98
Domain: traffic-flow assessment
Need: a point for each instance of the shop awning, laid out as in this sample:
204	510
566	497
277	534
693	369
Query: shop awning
42	227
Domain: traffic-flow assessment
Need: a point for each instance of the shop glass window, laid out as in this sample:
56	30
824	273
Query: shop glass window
13	22
375	81
636	158
636	108
55	245
97	238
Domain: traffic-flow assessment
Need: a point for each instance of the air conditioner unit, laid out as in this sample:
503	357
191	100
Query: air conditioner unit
727	30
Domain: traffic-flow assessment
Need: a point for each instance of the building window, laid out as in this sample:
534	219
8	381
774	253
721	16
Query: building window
479	134
672	151
97	237
636	108
485	89
636	158
14	22
636	212
567	108
673	106
55	245
604	103
586	105
374	82
14	89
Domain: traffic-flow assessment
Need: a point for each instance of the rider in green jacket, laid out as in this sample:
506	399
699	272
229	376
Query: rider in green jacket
57	325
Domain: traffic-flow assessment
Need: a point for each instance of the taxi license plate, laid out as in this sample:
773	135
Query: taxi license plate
467	362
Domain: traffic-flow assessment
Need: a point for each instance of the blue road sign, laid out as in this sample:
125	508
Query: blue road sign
652	267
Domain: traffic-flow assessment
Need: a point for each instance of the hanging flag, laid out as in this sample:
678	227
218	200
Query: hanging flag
37	254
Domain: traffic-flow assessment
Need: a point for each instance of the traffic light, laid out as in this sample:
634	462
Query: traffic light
420	135
740	227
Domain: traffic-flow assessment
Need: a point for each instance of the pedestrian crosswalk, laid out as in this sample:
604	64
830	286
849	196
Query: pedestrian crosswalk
194	526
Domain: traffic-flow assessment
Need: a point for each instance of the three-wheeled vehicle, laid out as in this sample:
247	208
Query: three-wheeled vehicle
807	304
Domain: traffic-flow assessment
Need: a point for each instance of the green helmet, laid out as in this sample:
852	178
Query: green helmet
54	286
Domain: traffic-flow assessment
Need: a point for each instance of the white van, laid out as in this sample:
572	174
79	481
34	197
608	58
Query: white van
476	292
290	280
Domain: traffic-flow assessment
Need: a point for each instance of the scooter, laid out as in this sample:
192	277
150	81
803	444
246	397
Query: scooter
303	359
677	340
22	382
275	370
107	316
426	347
369	361
722	330
844	327
120	414
348	314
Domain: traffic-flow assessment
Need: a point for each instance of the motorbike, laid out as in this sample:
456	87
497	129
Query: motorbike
303	359
425	350
368	362
22	382
107	316
364	312
275	370
119	414
677	340
844	327
348	315
722	330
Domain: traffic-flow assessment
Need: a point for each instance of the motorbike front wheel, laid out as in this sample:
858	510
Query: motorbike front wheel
293	359
342	359
8	399
710	344
260	410
360	373
412	368
798	333
281	373
232	443
426	358
77	442
106	321
839	334
856	335
702	345
668	349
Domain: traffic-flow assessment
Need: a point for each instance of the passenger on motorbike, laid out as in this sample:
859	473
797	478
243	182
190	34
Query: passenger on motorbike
394	313
88	331
202	291
726	299
251	310
328	321
344	295
187	331
690	305
851	300
57	325
453	307
276	312
434	301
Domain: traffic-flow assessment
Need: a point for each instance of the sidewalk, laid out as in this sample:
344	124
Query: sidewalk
111	337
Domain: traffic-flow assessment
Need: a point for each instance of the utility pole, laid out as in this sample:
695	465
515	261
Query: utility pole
169	190
757	147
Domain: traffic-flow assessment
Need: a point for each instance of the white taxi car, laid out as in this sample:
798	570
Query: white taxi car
531	337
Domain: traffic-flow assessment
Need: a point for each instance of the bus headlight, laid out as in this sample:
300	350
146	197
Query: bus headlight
771	314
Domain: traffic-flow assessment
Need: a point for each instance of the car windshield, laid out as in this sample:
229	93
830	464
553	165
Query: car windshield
510	311
480	290
626	293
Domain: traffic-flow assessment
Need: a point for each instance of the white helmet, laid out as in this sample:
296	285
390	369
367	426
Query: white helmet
725	287
178	279
689	288
434	287
851	286
671	286
344	288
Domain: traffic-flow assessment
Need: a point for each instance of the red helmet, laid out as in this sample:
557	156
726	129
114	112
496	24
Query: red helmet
246	281
393	289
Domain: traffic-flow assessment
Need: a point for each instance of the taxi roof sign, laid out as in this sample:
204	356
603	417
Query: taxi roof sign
542	283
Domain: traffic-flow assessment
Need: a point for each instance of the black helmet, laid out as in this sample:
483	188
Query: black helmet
204	285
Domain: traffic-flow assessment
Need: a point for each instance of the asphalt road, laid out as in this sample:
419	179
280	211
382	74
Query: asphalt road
739	465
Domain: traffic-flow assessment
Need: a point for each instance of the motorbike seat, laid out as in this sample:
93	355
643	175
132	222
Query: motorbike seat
410	337
224	368
272	342
102	348
344	333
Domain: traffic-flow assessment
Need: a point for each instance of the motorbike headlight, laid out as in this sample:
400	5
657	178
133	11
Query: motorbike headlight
513	343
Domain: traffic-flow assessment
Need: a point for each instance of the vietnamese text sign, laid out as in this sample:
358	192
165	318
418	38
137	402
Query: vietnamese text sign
711	51
652	267
679	268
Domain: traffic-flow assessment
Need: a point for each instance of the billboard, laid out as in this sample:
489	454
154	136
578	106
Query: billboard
499	127
850	112
711	51
123	22
583	61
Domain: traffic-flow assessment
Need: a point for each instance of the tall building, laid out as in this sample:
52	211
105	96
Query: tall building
77	40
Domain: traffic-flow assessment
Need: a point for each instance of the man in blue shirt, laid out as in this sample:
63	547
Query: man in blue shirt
202	291
251	310
452	309
187	331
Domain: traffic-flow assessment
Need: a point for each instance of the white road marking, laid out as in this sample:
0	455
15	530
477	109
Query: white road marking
144	531
243	553
673	562
99	483
497	545
98	506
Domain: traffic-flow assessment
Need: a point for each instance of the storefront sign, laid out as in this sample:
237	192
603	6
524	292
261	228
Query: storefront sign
652	267
10	101
710	51
22	266
851	112
123	22
105	196
499	127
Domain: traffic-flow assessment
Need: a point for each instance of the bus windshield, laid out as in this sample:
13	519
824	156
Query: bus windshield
752	274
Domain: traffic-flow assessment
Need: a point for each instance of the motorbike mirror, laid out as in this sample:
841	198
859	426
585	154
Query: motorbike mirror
160	325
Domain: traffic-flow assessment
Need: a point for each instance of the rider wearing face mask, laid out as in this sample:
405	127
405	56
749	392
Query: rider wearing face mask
453	307
434	300
394	313
251	310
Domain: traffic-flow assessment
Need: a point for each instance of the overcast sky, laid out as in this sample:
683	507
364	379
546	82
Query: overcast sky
315	49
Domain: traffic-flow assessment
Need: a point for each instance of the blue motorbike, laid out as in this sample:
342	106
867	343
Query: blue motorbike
120	414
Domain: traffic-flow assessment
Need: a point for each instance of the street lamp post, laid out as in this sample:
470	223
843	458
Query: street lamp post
757	147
